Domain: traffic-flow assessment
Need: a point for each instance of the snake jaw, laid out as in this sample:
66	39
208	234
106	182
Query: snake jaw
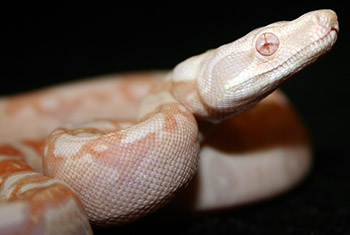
235	76
119	172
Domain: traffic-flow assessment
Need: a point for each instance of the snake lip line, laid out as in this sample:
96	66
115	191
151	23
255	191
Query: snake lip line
141	140
329	37
335	27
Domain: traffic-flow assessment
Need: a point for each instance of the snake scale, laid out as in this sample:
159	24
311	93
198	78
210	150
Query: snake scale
114	171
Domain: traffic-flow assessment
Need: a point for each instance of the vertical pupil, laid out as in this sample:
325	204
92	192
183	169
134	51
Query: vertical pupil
267	44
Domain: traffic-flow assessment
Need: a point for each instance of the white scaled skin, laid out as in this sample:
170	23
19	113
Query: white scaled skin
266	150
188	130
235	76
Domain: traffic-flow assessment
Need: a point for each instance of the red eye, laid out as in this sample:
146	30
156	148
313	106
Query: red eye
267	44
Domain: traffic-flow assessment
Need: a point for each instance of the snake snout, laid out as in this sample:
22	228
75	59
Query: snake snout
327	20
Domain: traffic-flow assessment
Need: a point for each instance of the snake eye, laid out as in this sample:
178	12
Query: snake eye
267	44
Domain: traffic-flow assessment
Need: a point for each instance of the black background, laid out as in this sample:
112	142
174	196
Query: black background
44	45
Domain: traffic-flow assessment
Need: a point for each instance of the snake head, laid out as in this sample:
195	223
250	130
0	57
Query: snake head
235	76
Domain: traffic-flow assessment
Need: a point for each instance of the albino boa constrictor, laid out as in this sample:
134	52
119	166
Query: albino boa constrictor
112	172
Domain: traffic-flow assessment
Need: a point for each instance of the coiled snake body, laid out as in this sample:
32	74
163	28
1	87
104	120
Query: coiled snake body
112	172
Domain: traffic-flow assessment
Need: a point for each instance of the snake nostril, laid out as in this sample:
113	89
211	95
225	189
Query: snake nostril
327	19
335	27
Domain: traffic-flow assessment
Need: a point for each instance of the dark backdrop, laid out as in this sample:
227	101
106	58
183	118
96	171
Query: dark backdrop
43	45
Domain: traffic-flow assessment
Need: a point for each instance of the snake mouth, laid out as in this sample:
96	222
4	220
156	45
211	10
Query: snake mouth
330	37
323	35
310	52
287	68
315	49
335	27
